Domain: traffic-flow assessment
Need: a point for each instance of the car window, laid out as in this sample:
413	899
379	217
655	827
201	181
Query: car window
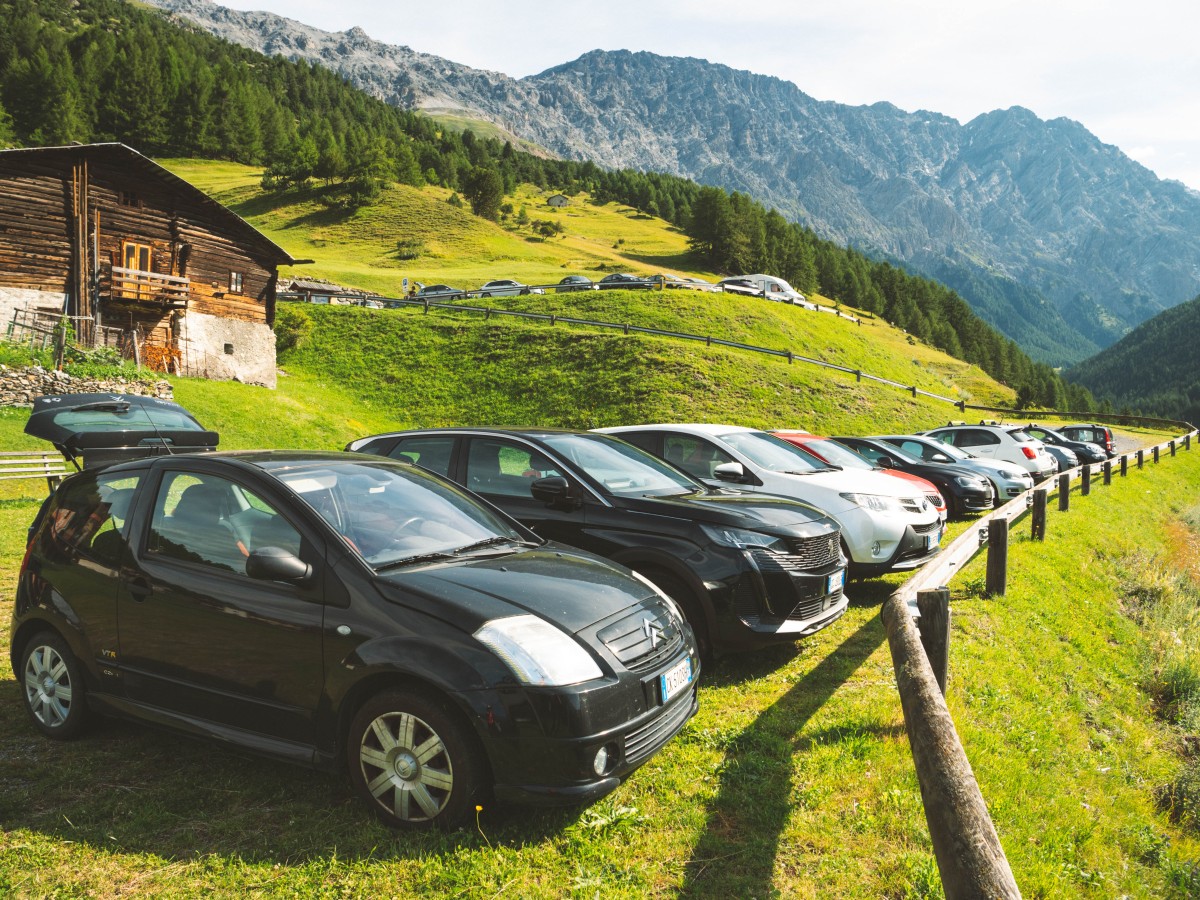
430	452
620	468
769	452
505	468
215	522
89	518
973	437
696	456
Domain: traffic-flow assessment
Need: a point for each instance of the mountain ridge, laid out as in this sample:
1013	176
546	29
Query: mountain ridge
1057	239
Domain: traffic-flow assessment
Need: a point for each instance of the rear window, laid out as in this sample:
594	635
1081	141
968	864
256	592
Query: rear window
136	418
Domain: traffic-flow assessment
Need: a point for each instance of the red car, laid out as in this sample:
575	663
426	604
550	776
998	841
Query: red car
831	453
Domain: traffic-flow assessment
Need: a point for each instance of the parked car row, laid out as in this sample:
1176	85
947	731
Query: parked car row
449	614
749	285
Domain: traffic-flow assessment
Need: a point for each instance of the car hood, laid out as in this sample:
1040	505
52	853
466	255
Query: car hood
738	509
572	589
979	463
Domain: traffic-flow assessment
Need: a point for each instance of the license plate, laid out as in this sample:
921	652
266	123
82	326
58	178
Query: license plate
675	679
836	581
932	540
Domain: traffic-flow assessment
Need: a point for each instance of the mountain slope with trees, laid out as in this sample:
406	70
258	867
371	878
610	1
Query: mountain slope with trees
1057	239
106	70
1153	370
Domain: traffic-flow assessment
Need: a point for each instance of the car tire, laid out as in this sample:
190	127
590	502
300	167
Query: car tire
524	292
52	687
486	294
414	763
692	611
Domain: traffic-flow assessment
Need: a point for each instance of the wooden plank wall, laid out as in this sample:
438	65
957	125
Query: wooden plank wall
184	231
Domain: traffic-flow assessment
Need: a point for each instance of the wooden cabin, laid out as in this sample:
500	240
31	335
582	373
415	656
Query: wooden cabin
135	256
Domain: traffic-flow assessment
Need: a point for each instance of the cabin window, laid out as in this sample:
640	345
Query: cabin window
129	198
235	282
139	257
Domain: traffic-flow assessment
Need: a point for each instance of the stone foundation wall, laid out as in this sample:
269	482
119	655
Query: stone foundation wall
19	387
228	349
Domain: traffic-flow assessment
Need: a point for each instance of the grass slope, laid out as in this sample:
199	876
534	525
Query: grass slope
794	780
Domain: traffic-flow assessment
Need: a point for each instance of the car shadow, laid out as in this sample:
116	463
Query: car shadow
752	805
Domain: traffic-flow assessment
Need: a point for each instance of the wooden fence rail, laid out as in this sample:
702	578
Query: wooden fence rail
970	859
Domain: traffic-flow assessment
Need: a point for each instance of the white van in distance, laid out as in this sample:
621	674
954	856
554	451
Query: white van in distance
766	286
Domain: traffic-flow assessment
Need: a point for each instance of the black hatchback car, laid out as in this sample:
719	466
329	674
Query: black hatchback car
747	569
334	609
965	491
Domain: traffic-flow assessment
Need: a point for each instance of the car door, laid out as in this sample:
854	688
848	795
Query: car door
977	441
503	471
201	639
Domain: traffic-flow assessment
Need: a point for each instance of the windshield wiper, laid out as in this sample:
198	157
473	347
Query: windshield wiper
409	560
492	541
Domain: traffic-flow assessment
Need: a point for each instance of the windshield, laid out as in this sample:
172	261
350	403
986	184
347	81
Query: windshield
390	513
621	468
952	451
771	453
837	455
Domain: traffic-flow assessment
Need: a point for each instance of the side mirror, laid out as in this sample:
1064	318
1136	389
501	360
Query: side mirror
554	491
886	462
730	471
277	564
940	458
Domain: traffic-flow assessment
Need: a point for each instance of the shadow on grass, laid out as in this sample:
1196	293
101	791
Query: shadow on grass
126	788
735	854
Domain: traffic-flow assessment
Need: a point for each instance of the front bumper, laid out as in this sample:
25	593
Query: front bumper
554	771
918	545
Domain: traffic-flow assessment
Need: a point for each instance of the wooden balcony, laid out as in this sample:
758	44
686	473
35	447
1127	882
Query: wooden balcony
166	291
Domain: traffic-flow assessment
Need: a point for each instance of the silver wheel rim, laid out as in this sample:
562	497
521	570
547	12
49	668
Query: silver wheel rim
48	686
406	767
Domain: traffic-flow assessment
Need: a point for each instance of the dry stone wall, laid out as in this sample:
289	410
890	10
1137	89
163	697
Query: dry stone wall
20	387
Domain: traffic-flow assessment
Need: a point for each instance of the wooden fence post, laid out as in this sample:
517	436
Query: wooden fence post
1064	493
934	626
1187	441
1085	487
1124	465
969	855
997	556
1038	515
1172	446
1140	458
1155	452
1108	471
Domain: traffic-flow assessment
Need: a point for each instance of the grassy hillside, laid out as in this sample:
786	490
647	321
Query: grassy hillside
795	779
369	248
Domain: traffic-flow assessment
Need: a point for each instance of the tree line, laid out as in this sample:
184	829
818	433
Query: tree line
104	70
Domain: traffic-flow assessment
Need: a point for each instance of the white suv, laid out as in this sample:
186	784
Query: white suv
887	525
1002	443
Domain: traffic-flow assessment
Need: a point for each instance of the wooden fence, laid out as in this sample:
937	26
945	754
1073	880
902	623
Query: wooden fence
970	858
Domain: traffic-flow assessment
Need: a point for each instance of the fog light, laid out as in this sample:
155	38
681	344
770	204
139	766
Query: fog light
876	549
604	756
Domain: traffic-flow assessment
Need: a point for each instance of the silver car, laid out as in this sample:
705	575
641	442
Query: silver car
1009	481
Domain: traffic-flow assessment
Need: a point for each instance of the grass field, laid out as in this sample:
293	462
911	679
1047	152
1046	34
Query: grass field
1071	694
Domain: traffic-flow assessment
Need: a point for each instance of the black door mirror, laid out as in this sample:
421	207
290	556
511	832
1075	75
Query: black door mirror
554	491
886	462
730	471
277	564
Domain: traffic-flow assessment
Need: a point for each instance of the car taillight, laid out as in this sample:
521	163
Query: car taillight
1029	452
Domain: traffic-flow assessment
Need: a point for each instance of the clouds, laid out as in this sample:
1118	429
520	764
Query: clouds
1128	72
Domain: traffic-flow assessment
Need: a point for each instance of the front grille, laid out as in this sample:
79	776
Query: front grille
813	553
642	742
811	608
927	529
912	504
645	638
935	500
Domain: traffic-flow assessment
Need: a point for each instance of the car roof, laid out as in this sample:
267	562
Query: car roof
690	427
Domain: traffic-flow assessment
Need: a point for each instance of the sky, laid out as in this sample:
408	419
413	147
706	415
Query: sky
1128	71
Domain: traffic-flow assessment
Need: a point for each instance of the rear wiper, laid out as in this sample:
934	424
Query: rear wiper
492	541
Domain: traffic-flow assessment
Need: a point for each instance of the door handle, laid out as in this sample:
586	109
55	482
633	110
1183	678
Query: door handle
140	589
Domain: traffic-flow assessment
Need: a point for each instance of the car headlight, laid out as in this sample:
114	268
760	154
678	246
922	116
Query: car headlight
968	481
537	652
877	502
1005	473
741	538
